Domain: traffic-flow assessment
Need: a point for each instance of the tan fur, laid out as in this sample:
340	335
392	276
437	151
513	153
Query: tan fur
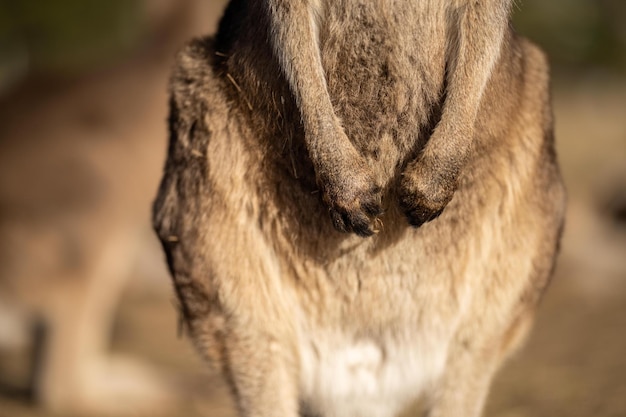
369	111
78	167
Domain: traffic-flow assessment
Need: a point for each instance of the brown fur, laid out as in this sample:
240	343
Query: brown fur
79	161
369	112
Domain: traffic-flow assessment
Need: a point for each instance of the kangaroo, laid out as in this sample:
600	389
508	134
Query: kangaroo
78	165
424	125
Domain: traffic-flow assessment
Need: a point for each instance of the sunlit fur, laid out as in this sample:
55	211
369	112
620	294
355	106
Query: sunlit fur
300	121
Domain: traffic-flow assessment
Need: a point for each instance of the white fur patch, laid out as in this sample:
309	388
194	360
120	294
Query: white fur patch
364	379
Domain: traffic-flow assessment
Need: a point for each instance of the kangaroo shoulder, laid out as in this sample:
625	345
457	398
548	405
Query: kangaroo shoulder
195	76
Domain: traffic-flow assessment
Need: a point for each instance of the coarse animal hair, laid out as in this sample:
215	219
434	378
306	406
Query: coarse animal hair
302	128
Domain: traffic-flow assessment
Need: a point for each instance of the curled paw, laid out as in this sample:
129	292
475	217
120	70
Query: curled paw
348	186
356	212
424	195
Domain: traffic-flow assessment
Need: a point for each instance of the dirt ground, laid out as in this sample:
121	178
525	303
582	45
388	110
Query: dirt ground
574	363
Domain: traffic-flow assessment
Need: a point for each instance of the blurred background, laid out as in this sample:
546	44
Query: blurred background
88	325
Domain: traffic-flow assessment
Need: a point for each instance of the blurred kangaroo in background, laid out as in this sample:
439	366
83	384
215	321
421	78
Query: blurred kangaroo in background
78	169
302	120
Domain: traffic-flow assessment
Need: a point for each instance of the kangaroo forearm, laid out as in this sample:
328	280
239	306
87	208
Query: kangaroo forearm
295	42
473	54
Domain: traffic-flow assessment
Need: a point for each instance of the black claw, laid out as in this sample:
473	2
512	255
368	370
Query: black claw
338	221
361	226
357	222
418	216
372	208
415	220
435	215
367	232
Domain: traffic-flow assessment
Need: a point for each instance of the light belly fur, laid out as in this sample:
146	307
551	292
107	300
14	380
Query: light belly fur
341	376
